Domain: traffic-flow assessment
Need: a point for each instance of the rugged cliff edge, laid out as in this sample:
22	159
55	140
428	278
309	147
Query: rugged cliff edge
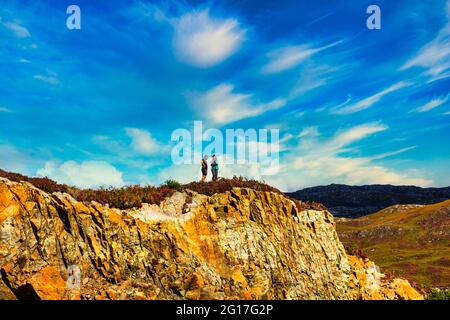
242	244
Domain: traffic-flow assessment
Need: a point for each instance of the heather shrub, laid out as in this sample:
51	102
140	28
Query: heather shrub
436	294
173	184
351	250
121	198
44	184
308	205
125	197
222	185
133	196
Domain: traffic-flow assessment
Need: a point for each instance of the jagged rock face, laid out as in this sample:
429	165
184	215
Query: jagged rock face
241	244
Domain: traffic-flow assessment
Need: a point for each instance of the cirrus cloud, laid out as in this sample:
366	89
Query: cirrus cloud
434	56
432	104
290	56
50	78
221	105
371	100
317	161
18	30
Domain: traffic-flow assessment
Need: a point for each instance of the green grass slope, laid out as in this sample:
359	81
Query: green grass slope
409	241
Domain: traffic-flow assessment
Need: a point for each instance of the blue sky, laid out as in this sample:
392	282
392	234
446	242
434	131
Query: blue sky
97	106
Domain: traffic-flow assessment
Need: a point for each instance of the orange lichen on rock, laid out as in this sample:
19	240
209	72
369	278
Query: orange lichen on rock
49	284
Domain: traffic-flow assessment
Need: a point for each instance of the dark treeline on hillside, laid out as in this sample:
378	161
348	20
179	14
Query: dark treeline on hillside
354	201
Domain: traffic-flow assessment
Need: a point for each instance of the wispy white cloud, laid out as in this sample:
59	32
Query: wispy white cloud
434	56
391	153
18	30
313	77
142	141
87	174
318	160
202	40
320	18
291	56
309	132
50	78
347	137
3	109
369	101
220	105
432	104
333	106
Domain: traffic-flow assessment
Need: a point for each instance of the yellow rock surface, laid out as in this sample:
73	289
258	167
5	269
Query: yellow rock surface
242	244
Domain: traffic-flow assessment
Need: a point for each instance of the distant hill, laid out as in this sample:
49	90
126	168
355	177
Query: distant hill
355	201
406	240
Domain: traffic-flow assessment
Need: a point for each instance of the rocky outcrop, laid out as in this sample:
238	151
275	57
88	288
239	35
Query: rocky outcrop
241	244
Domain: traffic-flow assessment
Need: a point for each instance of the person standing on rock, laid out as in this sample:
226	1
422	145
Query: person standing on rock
214	168
204	164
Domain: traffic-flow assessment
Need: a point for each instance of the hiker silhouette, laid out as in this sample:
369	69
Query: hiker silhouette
215	168
204	165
